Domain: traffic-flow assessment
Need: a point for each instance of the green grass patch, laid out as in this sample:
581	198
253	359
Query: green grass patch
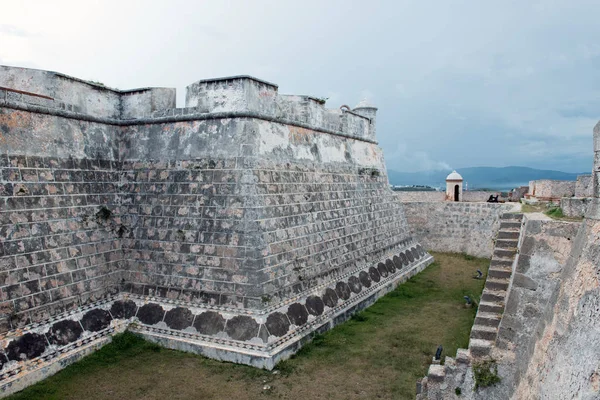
378	353
555	212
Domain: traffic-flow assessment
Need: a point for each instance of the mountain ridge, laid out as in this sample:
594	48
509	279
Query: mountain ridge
481	177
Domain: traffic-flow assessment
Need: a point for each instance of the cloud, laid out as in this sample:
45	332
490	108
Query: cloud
11	30
403	159
452	88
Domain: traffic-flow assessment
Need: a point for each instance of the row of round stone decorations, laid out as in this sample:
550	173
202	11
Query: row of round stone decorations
242	327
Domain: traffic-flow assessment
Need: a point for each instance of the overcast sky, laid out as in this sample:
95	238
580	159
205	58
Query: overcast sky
457	83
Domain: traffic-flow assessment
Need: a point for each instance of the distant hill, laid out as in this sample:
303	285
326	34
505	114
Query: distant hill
504	178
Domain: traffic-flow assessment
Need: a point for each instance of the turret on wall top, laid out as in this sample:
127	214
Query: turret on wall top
454	186
367	110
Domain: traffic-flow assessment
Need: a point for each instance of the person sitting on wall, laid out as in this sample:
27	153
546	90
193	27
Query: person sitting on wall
492	199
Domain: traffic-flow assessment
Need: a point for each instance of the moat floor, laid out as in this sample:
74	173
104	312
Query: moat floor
379	354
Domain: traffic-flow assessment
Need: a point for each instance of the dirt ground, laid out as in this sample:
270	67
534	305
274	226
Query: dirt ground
379	354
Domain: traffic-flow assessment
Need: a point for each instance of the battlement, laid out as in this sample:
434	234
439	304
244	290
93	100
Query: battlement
237	96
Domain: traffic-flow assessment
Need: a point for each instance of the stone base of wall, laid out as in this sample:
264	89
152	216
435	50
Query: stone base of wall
260	338
575	207
277	339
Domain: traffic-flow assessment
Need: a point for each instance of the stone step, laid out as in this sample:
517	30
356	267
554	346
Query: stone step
505	253
506	243
509	234
491	307
510	225
493	296
500	272
480	347
484	332
488	319
511	217
497	283
501	262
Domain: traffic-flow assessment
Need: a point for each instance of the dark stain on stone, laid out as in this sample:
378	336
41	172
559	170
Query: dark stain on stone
277	324
404	259
123	309
382	270
28	346
150	313
397	262
342	290
354	284
390	266
64	332
242	327
415	253
374	274
364	278
330	297
297	314
179	318
209	323
95	320
411	258
314	305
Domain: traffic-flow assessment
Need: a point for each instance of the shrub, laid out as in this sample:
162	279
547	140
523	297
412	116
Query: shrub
485	373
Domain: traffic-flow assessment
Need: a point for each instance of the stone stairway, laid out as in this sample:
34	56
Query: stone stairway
493	299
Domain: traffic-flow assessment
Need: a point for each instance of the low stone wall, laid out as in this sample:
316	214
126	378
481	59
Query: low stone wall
478	195
456	226
439	197
574	207
410	196
546	189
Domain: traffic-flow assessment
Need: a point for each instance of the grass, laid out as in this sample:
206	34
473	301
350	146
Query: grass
378	354
555	212
552	211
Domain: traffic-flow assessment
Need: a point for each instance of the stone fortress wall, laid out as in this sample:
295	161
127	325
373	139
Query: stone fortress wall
234	227
459	227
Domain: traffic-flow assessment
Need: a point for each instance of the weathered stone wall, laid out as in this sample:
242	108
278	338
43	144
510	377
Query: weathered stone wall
546	189
564	360
575	207
246	221
456	226
564	355
407	196
583	186
545	248
418	196
478	195
58	248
